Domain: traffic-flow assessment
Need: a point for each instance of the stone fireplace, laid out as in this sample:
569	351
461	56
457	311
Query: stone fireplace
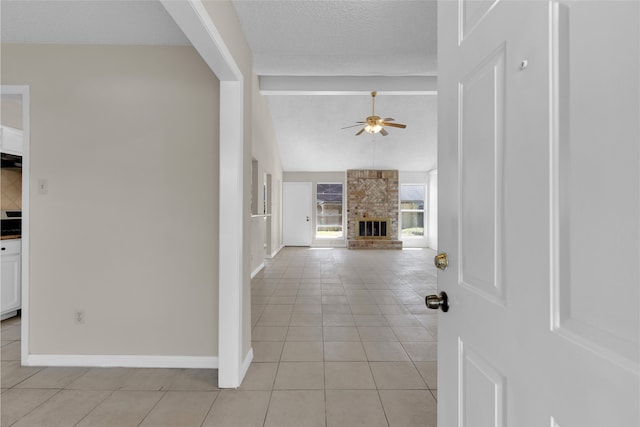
372	209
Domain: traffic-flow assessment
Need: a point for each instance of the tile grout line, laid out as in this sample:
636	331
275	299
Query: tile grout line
164	393
95	406
210	408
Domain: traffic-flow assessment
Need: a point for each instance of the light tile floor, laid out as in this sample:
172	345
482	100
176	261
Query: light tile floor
340	338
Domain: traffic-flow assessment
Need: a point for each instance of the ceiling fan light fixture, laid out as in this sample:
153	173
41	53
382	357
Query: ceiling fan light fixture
374	124
373	129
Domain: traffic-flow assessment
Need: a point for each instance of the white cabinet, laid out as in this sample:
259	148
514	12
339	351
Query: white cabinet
11	140
11	277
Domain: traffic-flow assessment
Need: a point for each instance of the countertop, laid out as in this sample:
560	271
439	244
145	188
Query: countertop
16	236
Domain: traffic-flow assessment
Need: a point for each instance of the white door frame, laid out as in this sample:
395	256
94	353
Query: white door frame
194	20
23	92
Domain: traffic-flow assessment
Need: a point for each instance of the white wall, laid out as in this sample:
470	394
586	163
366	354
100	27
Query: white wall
323	177
127	138
264	149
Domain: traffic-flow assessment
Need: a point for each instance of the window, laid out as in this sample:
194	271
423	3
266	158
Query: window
328	211
412	210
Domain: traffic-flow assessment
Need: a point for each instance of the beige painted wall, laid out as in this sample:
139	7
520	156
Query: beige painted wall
11	113
127	138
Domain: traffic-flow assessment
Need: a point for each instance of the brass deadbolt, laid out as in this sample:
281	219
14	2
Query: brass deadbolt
441	261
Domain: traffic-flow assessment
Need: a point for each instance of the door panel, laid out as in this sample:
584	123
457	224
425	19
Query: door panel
472	12
479	86
596	213
480	154
539	211
584	180
482	384
296	213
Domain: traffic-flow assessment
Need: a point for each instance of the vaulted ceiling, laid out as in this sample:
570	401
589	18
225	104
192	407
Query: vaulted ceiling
318	61
387	46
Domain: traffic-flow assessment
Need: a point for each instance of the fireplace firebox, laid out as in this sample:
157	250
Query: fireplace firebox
373	228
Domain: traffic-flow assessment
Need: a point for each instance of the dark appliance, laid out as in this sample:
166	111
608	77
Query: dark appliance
11	223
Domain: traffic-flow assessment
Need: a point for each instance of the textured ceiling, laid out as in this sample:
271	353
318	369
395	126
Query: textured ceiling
288	38
88	22
340	37
347	38
311	139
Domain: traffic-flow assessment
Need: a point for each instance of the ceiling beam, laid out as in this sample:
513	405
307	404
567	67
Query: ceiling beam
196	24
348	85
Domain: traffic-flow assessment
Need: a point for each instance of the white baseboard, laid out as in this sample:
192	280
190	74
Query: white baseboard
122	361
245	364
257	270
276	252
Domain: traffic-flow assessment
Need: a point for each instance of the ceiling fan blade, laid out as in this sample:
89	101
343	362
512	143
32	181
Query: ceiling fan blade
388	119
395	125
352	126
384	132
361	130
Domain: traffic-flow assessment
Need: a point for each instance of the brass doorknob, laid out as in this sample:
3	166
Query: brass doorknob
441	261
435	302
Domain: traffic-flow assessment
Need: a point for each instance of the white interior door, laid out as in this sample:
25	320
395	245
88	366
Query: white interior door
539	214
296	213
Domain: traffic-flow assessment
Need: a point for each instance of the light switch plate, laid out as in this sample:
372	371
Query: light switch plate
43	186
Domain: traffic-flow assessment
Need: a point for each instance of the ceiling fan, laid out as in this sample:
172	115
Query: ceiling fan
375	124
